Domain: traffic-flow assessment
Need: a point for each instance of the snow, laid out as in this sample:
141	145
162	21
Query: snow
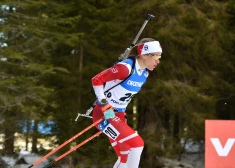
191	146
26	156
189	160
195	159
173	163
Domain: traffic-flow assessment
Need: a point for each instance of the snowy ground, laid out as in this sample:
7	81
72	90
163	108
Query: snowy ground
188	161
24	157
195	159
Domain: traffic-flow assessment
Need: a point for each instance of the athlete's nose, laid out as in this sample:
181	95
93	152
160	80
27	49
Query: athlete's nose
157	61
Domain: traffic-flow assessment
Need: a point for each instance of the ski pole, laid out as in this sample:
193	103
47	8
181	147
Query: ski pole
127	51
65	143
73	149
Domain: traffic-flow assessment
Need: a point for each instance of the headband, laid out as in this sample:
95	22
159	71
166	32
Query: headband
149	47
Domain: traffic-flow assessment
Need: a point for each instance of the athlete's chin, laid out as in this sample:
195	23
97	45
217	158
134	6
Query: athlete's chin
151	68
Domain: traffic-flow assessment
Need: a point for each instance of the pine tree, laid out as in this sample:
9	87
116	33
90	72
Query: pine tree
24	62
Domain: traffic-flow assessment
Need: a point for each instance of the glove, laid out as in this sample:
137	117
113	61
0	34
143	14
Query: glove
109	114
107	109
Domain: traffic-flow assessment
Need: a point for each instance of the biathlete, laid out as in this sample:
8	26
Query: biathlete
114	89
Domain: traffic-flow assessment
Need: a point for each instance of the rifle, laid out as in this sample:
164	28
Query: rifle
121	57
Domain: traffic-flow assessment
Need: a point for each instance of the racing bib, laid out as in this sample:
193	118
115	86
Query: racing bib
108	129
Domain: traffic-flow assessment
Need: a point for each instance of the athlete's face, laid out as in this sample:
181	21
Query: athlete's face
152	60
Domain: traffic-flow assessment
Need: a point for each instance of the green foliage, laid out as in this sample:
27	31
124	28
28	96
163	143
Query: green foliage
56	47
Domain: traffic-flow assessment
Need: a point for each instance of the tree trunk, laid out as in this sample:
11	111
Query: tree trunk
80	72
35	137
27	135
176	130
9	131
9	140
141	115
176	138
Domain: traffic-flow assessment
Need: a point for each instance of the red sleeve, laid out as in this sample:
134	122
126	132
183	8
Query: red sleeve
118	71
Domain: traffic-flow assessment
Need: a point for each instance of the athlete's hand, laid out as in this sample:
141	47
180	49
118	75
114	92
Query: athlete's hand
109	114
107	109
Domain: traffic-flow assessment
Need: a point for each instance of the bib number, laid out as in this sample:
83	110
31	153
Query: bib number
127	97
108	129
111	132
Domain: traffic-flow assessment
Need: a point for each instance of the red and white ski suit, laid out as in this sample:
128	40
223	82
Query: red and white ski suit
127	144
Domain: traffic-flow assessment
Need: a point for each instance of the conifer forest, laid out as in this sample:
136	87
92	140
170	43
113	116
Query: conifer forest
50	50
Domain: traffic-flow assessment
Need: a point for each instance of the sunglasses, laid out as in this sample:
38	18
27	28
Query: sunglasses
155	56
